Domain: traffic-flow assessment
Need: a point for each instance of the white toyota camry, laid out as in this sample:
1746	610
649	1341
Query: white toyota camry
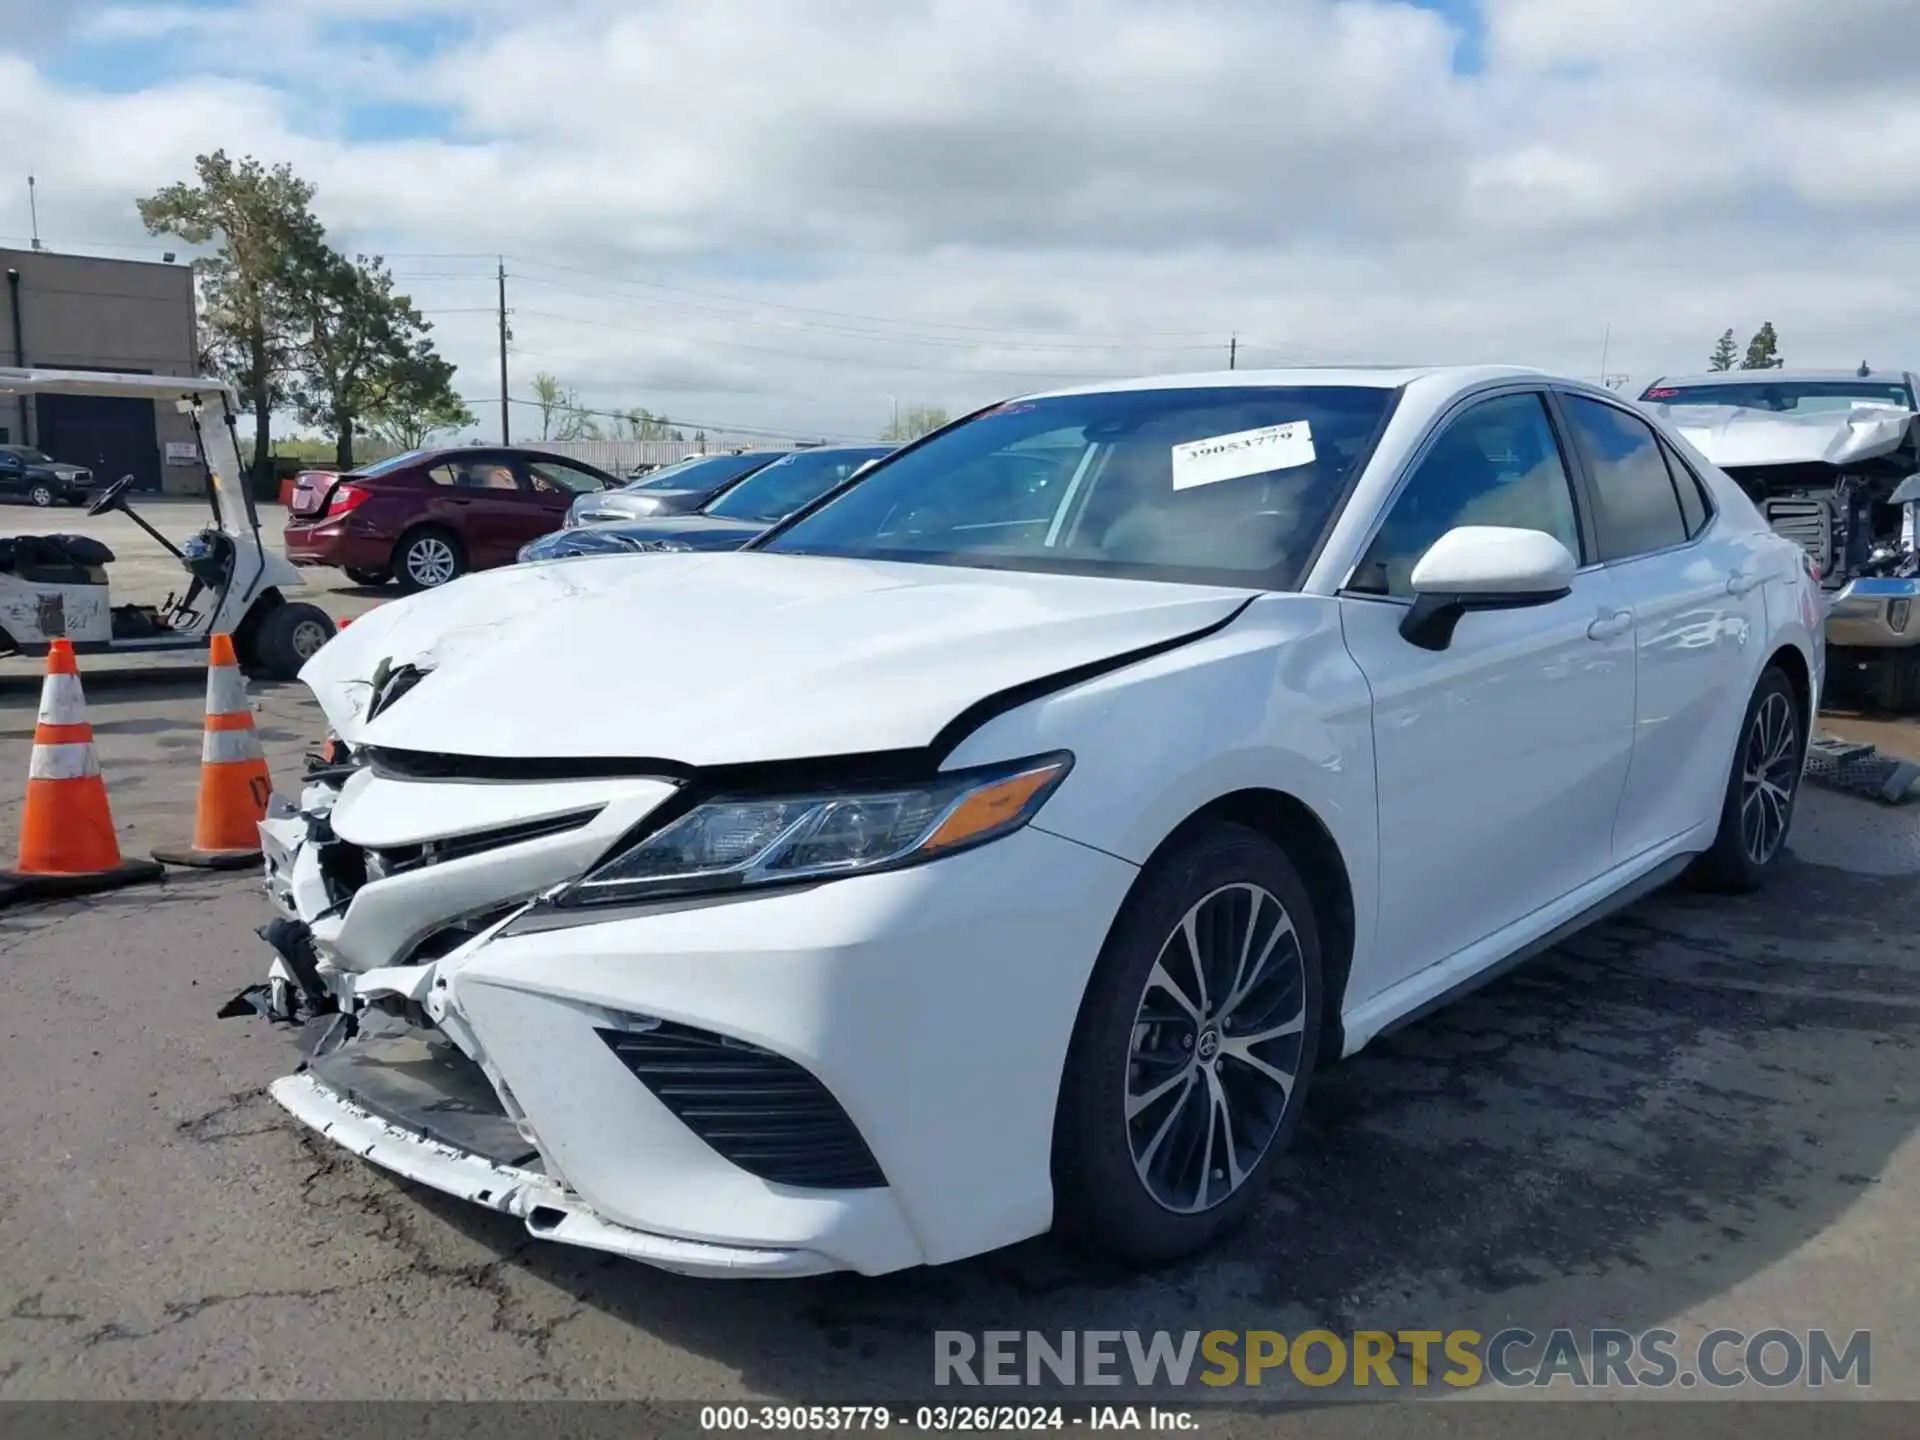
1003	843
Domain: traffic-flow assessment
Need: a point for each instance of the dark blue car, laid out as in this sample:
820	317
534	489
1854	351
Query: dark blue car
743	510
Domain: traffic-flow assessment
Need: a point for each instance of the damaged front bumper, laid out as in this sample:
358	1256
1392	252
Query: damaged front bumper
775	1085
390	1070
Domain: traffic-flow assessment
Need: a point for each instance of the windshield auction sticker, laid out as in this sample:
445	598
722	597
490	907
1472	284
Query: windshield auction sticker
1246	452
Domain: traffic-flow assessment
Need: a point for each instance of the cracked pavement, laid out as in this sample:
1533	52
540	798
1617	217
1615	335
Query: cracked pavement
1699	1114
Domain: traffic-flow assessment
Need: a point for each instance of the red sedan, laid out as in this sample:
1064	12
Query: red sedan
428	516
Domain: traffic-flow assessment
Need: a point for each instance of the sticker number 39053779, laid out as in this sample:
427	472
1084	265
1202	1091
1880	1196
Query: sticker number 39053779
1245	452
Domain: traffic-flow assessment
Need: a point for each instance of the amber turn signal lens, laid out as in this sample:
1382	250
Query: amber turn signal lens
991	807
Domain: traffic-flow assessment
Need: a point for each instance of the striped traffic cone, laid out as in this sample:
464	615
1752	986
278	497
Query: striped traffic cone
67	844
234	788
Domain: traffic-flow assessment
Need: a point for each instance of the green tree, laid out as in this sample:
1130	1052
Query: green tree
412	417
913	422
249	286
561	417
1725	352
1763	351
642	424
367	357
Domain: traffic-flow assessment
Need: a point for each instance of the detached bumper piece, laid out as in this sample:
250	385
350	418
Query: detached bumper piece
550	1211
1859	769
294	992
420	1081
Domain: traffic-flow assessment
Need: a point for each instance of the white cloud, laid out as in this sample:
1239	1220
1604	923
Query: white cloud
1131	179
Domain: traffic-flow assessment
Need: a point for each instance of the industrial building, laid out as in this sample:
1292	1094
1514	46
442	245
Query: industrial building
79	312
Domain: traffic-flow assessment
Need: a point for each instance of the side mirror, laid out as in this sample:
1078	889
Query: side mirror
1483	567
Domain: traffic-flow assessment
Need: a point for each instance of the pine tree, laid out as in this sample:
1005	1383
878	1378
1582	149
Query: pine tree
1725	352
1763	351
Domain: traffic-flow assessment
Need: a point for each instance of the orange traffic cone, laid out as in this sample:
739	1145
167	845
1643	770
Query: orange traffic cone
67	844
234	787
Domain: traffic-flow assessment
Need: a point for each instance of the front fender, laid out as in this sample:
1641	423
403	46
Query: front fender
1273	702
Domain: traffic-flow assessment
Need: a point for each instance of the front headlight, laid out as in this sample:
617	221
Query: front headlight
735	841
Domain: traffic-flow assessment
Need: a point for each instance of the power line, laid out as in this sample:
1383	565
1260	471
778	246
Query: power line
903	337
711	427
875	363
852	315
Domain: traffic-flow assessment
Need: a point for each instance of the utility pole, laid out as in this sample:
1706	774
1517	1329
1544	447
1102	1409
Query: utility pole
1233	352
33	208
1606	344
506	427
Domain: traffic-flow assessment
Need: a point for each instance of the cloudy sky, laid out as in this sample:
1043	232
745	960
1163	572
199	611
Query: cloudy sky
793	214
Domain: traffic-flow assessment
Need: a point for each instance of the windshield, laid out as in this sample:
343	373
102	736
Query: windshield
28	453
788	483
706	471
1801	397
1218	485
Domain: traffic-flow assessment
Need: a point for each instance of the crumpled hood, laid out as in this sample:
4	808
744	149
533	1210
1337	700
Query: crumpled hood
727	658
1732	435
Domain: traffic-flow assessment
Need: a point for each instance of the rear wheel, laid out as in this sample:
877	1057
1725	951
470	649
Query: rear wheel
427	558
368	577
1190	1061
288	636
1762	786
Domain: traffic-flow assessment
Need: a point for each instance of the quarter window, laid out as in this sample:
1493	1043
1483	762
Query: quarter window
1636	507
1497	464
1694	506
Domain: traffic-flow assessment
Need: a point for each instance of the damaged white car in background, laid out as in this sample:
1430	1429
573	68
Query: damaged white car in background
1832	458
1002	842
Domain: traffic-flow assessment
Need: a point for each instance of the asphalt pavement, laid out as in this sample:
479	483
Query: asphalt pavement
1700	1114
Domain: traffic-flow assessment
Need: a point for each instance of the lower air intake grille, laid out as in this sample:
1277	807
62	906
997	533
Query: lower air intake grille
759	1110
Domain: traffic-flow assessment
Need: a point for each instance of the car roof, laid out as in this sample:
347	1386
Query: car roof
1792	377
1371	377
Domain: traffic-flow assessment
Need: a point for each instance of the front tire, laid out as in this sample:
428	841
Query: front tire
1190	1061
41	495
427	558
1762	788
288	636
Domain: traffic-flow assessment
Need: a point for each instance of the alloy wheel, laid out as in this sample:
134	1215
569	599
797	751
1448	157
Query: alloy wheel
430	561
41	496
1215	1048
307	638
1768	777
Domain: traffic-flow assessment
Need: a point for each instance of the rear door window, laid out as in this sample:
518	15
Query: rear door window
1637	509
555	477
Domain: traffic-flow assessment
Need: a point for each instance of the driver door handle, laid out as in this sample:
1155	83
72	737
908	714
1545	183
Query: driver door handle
1611	625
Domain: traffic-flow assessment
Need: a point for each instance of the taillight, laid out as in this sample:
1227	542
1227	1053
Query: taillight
345	497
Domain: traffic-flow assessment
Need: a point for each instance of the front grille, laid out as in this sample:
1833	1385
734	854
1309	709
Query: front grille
759	1110
457	847
1809	524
